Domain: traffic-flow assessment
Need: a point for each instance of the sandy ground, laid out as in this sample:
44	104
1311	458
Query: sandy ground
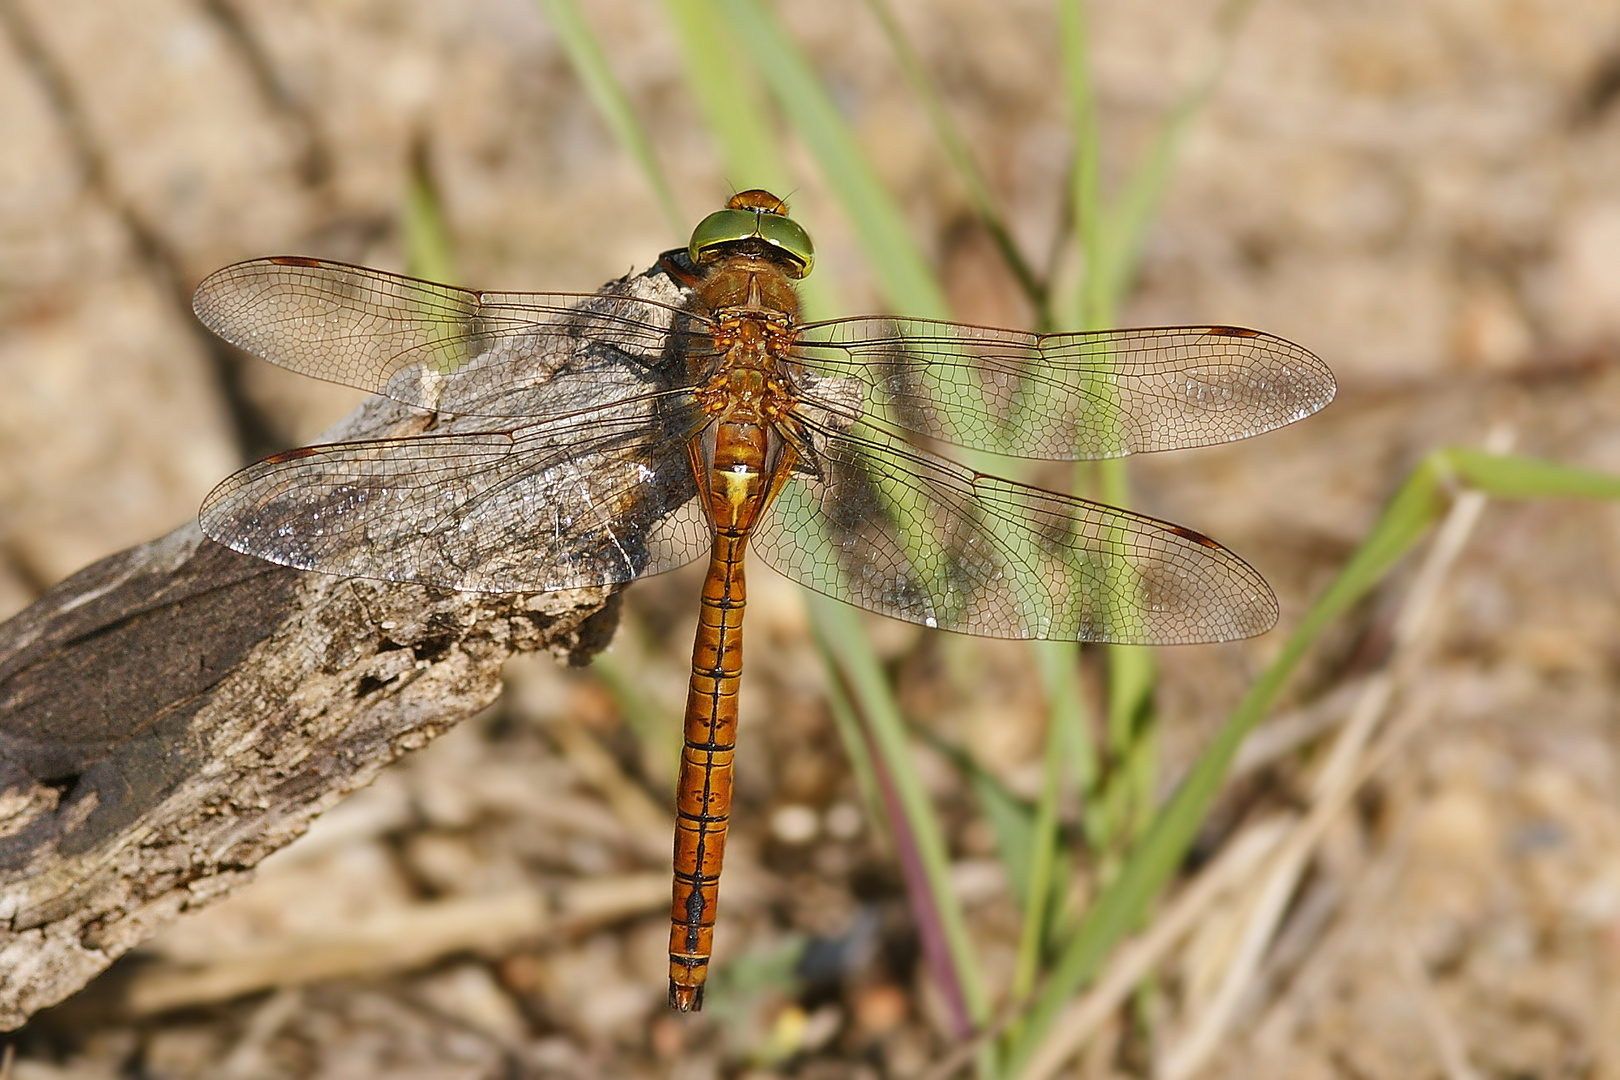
1424	193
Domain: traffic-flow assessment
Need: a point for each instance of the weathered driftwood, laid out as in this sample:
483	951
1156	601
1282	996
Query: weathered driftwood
175	713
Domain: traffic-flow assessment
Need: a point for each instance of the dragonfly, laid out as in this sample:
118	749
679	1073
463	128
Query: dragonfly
584	440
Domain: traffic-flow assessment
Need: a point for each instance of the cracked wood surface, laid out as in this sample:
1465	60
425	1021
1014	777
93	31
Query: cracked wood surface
173	714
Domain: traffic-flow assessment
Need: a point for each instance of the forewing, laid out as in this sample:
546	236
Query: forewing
879	524
595	499
444	348
1066	396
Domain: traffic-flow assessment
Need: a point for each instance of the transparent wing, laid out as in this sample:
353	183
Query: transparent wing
1066	396
594	499
443	348
876	523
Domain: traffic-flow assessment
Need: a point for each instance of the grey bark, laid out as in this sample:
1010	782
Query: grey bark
172	714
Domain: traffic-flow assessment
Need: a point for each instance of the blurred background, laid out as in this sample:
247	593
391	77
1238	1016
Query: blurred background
1426	194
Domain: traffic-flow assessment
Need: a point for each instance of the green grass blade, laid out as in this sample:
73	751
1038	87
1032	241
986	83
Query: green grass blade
1118	802
1130	669
874	736
848	723
734	112
1010	818
1109	233
837	629
428	250
659	740
590	64
1124	903
1018	833
1129	216
1126	794
728	99
1036	896
1416	506
1085	196
901	270
961	158
1510	476
427	238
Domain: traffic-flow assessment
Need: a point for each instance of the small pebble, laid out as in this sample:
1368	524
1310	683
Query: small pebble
794	823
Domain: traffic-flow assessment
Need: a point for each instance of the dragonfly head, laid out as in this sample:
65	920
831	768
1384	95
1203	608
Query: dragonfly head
759	220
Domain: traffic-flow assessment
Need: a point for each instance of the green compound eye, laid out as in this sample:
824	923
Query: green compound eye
732	224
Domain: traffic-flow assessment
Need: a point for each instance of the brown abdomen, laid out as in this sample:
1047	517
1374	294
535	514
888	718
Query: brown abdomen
703	794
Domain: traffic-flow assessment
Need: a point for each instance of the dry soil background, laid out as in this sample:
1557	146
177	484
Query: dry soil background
1424	192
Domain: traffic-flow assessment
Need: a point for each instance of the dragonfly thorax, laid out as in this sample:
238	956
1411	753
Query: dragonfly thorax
749	284
754	312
